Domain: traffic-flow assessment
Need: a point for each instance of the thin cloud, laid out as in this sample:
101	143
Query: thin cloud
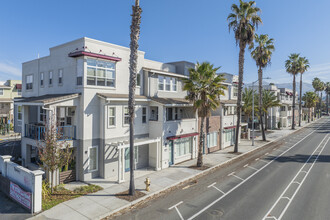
9	69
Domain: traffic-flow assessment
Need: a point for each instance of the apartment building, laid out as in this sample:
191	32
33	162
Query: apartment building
82	86
8	91
220	128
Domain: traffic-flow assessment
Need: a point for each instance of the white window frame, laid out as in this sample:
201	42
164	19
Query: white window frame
109	116
138	79
2	93
97	158
44	114
166	81
124	107
60	77
210	140
50	80
19	112
27	82
105	69
144	115
161	81
42	79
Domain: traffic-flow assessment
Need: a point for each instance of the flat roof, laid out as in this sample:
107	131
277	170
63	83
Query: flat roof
119	96
47	99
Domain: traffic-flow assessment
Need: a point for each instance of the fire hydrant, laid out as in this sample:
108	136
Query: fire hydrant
147	182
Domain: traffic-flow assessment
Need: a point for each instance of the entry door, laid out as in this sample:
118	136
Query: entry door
170	152
232	138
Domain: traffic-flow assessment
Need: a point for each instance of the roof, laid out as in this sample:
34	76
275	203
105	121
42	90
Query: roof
164	72
119	96
47	99
4	87
5	100
171	101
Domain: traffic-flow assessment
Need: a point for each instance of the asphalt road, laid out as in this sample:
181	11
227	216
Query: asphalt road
10	210
290	182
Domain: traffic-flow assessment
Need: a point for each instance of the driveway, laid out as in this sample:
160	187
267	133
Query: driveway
11	210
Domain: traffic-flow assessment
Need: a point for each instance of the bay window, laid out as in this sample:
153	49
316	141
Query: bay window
166	83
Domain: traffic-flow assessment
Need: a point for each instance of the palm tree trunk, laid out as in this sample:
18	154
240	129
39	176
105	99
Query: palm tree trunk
321	104
200	146
135	34
327	101
293	100
300	95
239	96
260	104
266	121
309	115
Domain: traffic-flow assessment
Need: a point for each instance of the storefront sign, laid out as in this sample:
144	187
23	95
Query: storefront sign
21	196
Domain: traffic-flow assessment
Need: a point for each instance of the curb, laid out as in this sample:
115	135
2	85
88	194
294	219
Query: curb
204	172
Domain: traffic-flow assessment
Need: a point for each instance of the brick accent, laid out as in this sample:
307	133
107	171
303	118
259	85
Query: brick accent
211	124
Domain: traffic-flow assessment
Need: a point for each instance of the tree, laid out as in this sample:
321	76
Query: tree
327	92
262	54
310	99
303	66
204	88
269	100
292	67
53	153
317	87
247	100
321	89
243	20
134	45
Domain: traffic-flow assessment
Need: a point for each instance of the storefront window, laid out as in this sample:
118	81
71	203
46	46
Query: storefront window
183	146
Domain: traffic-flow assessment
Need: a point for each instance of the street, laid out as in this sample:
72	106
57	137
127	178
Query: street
289	182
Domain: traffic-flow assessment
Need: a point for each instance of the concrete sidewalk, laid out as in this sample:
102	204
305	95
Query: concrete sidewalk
104	203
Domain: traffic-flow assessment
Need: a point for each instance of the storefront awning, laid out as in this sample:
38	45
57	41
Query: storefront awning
18	86
95	55
182	136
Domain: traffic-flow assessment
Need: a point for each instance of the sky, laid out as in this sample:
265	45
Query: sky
171	30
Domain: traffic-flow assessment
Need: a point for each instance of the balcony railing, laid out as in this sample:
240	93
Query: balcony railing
37	132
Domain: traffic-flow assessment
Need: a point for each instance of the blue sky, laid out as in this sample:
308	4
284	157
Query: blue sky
171	30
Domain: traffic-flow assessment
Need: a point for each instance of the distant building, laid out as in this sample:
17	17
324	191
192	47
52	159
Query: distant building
8	91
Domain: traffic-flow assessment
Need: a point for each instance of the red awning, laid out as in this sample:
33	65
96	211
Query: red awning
288	93
230	127
182	136
18	86
96	55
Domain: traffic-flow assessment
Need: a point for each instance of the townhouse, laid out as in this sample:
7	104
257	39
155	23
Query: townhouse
220	127
8	91
281	117
82	86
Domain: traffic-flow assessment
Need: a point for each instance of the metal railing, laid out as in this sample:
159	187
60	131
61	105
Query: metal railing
37	132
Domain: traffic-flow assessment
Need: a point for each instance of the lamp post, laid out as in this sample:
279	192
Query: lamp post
253	108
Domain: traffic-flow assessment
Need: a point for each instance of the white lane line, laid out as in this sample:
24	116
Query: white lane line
176	208
213	185
231	174
265	161
257	159
246	165
237	177
293	180
279	150
238	185
252	168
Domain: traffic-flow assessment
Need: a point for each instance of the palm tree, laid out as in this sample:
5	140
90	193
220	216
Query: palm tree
321	89
316	85
247	103
303	66
204	89
262	54
310	99
292	67
327	92
269	100
243	20
134	45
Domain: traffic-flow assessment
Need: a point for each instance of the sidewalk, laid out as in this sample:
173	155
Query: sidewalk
103	203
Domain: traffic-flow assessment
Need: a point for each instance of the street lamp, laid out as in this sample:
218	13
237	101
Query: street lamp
253	108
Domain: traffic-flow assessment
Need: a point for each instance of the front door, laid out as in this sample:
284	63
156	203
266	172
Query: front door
170	153
136	152
232	138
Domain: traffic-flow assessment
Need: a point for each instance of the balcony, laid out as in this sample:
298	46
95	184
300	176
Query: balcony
37	132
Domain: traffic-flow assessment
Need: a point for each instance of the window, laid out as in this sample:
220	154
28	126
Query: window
282	108
235	91
19	112
19	91
169	114
138	79
42	114
160	83
153	113
1	91
29	82
289	108
80	70
177	114
50	78
183	146
101	73
93	155
174	84
41	79
126	116
169	83
212	139
144	115
111	116
60	76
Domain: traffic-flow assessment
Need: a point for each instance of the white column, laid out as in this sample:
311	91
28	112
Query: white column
37	190
119	165
3	164
123	165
